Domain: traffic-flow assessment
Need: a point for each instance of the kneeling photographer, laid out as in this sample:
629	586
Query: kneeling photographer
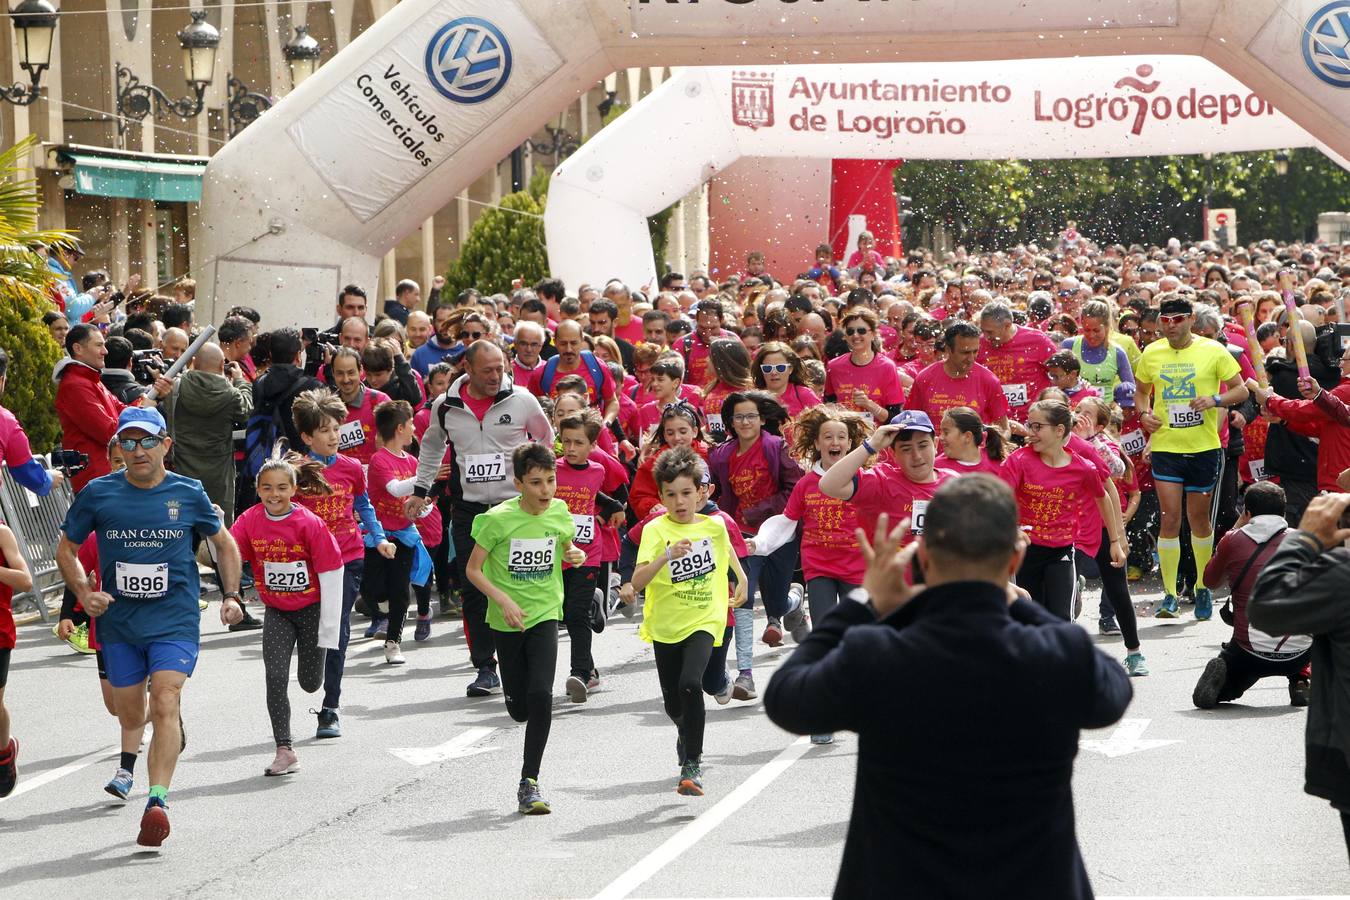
1304	590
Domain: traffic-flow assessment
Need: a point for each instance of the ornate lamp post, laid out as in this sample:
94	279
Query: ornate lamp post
34	28
200	41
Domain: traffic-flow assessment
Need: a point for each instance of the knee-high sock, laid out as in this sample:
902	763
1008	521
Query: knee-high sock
1203	548
1169	557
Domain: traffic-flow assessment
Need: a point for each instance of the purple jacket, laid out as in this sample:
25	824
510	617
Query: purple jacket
782	468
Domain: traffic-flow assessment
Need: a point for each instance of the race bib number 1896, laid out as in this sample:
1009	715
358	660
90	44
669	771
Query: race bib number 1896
144	581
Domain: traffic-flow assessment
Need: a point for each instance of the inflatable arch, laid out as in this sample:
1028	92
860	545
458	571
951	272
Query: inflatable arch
311	195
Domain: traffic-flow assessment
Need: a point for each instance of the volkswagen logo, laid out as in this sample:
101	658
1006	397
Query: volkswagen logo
469	60
1326	43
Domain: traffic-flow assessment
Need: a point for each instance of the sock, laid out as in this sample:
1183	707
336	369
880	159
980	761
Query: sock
745	671
1203	548
331	709
1169	558
128	761
159	792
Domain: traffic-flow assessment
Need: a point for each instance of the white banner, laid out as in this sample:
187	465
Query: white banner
803	19
412	104
1027	109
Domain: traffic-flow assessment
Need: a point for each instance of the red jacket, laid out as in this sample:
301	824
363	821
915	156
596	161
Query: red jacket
88	414
1326	418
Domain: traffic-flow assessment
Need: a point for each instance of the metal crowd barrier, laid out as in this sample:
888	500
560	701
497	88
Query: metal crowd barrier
36	523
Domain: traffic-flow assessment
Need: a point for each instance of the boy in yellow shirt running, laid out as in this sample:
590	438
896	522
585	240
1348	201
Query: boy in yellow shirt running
683	562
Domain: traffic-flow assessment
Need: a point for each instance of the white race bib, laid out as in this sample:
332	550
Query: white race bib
484	468
1258	467
694	564
715	422
1015	394
1134	442
530	557
144	581
351	435
286	577
1180	415
917	515
585	529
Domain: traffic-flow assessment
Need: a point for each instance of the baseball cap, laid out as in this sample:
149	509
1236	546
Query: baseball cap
147	420
914	420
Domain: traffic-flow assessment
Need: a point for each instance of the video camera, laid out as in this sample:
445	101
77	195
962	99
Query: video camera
147	365
315	336
69	461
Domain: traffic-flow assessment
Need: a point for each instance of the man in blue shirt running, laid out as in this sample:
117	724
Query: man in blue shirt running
148	620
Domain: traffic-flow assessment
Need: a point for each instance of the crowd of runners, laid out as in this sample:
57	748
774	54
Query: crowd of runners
538	462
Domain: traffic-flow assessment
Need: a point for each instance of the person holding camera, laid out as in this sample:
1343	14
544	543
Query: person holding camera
1302	590
123	370
936	805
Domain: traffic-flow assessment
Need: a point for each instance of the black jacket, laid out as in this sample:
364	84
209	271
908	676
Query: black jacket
277	389
1304	590
963	791
1289	455
122	385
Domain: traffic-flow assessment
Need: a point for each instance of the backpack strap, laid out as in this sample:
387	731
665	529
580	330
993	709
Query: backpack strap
546	377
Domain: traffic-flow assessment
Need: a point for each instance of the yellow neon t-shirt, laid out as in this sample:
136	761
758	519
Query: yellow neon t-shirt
688	594
1178	377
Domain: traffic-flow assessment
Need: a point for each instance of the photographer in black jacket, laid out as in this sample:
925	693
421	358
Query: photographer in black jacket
1304	590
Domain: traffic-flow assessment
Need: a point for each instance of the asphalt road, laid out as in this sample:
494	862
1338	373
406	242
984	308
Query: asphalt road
419	793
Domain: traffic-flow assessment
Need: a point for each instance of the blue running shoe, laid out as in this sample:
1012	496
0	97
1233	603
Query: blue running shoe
329	727
154	823
1204	604
120	786
1135	665
1167	609
379	627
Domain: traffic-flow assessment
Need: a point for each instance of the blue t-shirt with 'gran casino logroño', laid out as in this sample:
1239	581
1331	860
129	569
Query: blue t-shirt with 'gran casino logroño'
145	554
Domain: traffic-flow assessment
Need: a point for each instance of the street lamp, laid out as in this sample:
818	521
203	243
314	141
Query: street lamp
34	28
1281	163
135	101
302	54
1204	204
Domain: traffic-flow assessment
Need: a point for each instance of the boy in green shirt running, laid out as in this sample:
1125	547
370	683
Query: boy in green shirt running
519	548
683	562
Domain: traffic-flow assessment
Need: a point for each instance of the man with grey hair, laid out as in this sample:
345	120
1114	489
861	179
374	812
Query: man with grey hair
407	296
528	345
1015	355
1032	680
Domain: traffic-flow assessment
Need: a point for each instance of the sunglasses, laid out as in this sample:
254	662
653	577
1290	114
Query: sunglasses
149	442
1172	318
472	335
780	368
856	332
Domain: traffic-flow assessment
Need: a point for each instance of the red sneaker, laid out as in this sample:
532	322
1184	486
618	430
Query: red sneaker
9	770
154	824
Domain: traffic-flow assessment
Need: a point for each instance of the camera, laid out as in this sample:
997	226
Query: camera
315	336
69	461
147	365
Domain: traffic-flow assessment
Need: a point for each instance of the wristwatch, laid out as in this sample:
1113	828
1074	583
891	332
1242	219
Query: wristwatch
233	595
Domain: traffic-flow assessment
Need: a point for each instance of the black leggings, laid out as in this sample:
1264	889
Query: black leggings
715	675
1116	590
529	661
824	593
578	595
387	581
1048	574
282	631
680	668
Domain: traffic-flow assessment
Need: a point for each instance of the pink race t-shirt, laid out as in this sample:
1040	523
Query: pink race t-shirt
348	480
935	392
1048	499
632	332
797	398
983	464
687	392
356	437
1089	536
829	544
286	554
879	379
697	364
384	468
521	375
712	407
577	487
887	489
1017	366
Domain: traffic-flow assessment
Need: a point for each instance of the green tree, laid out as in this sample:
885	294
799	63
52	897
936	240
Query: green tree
24	282
505	243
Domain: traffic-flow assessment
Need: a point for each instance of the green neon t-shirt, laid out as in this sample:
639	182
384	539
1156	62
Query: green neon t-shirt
524	558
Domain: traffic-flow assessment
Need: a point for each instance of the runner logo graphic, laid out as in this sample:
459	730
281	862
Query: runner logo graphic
469	60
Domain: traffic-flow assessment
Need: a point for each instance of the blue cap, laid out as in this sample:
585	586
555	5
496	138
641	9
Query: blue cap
147	420
914	420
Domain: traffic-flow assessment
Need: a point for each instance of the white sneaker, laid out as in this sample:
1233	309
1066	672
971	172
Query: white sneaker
393	653
723	697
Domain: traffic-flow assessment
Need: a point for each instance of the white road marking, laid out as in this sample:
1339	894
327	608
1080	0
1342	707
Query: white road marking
1127	738
31	784
696	830
457	746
